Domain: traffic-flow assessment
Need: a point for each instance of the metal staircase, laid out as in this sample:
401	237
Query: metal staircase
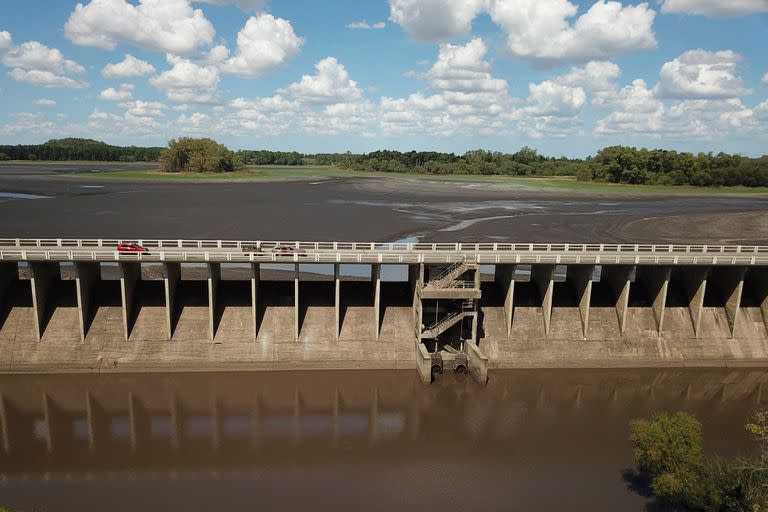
447	279
446	323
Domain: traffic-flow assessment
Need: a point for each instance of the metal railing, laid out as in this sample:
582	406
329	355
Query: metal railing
181	244
330	257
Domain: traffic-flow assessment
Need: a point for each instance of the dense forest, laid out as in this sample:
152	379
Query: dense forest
616	164
79	149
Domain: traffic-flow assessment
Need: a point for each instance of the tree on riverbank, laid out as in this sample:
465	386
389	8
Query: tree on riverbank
198	156
669	456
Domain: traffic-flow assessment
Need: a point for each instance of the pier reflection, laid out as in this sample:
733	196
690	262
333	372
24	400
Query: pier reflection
89	424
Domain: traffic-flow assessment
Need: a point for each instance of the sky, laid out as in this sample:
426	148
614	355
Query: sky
566	77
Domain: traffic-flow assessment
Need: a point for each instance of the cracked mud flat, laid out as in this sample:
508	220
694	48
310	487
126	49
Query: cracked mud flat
366	209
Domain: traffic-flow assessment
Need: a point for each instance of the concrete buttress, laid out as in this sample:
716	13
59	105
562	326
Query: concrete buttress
543	277
695	283
42	276
581	277
619	278
87	275
214	276
171	277
130	274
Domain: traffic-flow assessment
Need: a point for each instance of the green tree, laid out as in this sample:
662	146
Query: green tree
668	451
199	156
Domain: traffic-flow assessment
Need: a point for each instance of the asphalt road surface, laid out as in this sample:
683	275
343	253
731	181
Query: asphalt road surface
42	200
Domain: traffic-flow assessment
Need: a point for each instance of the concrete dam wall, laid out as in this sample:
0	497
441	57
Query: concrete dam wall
466	311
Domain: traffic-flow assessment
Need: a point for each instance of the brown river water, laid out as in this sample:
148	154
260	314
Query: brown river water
353	440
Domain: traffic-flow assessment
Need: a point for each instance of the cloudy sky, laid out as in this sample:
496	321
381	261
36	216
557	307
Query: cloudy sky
564	76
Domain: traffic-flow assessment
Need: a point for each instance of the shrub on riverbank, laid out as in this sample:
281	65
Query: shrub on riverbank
198	156
669	456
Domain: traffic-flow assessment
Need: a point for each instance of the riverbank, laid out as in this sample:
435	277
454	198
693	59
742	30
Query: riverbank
554	183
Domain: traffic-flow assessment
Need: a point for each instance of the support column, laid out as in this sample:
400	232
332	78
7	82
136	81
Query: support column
130	273
214	276
255	280
337	302
86	277
695	283
729	281
297	327
376	278
543	277
619	279
8	272
759	276
581	277
42	276
416	280
656	280
172	274
504	279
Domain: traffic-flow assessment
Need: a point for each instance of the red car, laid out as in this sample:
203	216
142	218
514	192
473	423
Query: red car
132	248
287	250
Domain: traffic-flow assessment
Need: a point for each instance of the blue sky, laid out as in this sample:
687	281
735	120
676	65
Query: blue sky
564	76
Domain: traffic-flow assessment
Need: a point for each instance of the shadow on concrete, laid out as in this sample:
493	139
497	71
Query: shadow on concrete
354	294
315	294
17	294
526	295
230	294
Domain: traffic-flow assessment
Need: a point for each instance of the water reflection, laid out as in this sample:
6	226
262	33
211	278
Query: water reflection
531	423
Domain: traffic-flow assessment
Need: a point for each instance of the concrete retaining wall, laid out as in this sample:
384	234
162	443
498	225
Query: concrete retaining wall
542	316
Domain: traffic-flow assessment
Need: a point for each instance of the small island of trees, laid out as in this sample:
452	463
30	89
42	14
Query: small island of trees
199	155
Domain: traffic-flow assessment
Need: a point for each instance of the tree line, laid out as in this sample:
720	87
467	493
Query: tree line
80	149
615	164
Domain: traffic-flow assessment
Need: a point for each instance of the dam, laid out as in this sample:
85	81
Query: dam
209	305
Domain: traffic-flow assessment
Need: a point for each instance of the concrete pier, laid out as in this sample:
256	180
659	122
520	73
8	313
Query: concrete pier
171	277
130	273
87	275
41	280
214	276
543	277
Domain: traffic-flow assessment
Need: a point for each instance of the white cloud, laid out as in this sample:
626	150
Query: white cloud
47	79
129	67
44	102
594	77
551	99
461	68
331	84
121	94
28	122
765	79
5	41
435	20
165	25
699	74
188	82
258	106
468	99
364	25
715	8
635	111
265	44
539	30
141	108
35	55
245	5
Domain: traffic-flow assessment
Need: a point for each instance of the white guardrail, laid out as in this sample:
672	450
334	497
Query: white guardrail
376	252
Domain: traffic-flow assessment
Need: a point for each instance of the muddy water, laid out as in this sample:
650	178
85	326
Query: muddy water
537	440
